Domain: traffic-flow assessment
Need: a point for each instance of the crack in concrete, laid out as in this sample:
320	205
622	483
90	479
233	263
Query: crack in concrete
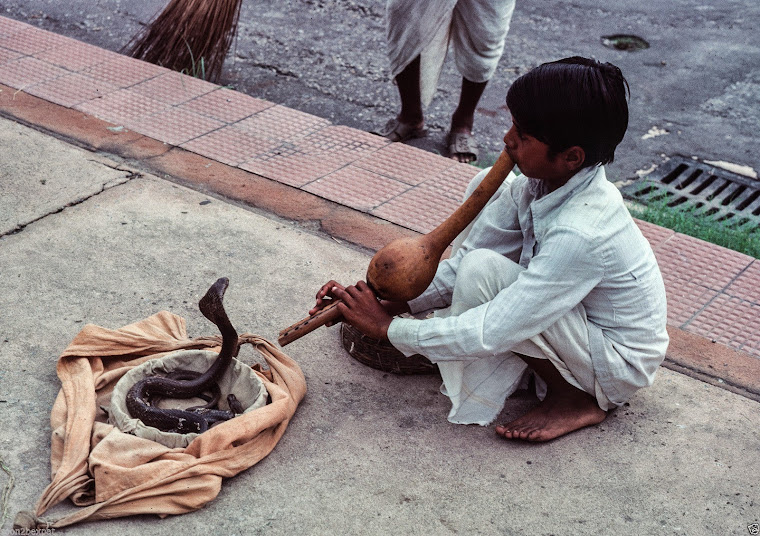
130	175
271	67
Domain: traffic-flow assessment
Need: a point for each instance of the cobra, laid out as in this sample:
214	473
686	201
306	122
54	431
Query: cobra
142	396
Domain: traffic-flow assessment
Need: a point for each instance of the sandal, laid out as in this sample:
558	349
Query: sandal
462	144
396	131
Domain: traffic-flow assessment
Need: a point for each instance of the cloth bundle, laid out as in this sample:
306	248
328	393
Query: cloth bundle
109	473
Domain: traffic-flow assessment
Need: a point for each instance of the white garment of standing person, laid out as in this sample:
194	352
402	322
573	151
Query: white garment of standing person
475	30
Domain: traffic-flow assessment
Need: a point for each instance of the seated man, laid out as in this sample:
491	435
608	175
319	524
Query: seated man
553	276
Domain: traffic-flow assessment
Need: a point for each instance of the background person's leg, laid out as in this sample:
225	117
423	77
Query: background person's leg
462	121
478	33
410	121
408	82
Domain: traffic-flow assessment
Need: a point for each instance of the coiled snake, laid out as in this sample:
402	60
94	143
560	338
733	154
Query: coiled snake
142	396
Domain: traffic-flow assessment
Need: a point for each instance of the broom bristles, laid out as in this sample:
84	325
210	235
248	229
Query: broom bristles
188	34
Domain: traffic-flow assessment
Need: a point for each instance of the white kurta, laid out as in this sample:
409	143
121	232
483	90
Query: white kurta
577	245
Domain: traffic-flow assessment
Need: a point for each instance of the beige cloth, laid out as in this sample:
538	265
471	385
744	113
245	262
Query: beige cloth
111	474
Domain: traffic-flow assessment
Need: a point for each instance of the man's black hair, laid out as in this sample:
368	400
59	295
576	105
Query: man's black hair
573	101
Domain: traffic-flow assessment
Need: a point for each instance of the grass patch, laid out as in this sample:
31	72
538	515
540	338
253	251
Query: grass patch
486	159
196	69
739	235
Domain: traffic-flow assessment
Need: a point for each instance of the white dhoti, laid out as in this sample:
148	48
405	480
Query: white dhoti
475	30
478	388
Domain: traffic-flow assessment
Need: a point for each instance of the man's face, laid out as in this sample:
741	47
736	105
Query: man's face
533	157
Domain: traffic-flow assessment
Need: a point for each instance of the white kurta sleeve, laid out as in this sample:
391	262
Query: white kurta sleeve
556	280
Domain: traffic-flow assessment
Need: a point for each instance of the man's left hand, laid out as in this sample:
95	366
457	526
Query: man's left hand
361	309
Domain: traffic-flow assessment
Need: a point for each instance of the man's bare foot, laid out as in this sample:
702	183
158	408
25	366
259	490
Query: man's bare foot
554	417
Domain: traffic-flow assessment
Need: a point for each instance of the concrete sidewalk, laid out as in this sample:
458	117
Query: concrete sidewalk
98	240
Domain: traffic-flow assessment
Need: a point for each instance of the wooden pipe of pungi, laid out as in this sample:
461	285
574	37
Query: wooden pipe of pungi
405	267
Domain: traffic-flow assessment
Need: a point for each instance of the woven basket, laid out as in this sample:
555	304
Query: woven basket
382	355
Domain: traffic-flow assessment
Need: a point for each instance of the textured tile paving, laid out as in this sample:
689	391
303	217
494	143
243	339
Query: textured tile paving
730	321
747	286
122	106
424	207
7	55
453	181
76	56
298	160
283	124
420	209
356	188
394	161
173	126
712	291
230	145
27	71
226	105
123	72
686	299
71	89
31	40
9	27
655	234
701	262
173	88
288	165
340	144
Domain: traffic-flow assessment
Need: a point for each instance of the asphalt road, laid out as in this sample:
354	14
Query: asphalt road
694	92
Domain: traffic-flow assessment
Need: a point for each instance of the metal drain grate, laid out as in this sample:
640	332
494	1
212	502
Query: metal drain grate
709	191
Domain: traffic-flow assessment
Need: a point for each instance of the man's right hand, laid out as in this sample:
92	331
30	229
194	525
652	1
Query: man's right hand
325	297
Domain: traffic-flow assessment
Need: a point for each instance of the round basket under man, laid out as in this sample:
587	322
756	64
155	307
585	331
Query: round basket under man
239	379
382	355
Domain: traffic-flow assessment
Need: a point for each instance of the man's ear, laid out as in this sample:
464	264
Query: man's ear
574	157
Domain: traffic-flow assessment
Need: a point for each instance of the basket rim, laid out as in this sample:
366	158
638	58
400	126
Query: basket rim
382	355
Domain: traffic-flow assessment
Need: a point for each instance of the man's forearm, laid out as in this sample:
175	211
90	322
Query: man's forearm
395	308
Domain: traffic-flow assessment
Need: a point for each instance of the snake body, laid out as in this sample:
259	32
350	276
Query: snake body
142	396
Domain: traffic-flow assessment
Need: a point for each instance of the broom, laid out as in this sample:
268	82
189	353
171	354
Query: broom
190	36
